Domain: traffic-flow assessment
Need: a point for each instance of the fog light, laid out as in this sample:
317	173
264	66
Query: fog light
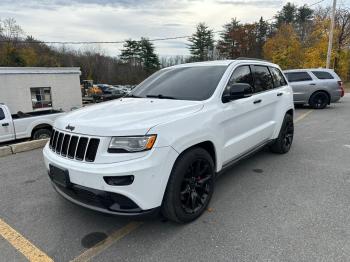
119	180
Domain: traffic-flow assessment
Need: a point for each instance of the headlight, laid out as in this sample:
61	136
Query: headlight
124	144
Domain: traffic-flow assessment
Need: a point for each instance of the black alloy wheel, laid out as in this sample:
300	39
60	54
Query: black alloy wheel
196	186
288	135
319	100
190	186
283	142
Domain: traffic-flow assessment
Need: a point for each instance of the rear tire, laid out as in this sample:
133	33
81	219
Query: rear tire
283	143
319	100
190	186
41	134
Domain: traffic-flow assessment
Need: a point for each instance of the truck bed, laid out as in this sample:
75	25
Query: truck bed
21	115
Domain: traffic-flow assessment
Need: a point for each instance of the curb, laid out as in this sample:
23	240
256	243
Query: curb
5	151
22	147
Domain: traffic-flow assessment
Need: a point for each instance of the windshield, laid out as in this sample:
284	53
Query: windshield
184	83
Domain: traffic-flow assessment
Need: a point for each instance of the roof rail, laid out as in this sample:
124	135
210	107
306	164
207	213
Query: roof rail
250	58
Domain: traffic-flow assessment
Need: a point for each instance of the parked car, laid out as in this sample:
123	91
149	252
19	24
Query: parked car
109	93
316	87
36	125
161	147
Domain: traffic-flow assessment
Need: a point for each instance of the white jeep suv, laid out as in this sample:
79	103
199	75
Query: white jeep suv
161	147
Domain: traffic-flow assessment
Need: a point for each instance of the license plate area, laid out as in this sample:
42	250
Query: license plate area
59	176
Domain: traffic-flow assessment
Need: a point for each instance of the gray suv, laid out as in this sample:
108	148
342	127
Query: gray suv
316	87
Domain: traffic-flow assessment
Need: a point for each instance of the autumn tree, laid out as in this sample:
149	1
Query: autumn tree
202	43
315	51
10	35
342	26
284	48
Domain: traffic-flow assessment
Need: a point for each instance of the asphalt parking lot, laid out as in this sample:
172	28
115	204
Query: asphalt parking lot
293	207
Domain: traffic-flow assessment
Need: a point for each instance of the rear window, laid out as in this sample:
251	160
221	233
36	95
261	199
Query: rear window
322	75
2	114
298	76
278	78
263	79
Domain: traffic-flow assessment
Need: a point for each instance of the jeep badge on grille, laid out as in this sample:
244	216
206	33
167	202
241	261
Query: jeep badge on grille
69	127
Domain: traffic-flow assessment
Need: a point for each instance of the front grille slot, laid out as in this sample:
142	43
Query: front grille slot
65	145
54	141
52	138
59	143
92	150
74	147
79	155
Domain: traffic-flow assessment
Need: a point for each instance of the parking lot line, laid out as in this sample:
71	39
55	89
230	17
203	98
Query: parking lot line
110	240
19	242
301	117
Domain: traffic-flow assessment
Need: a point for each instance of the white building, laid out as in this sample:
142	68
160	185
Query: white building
30	89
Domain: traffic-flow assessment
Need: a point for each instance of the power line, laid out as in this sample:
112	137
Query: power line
101	42
316	3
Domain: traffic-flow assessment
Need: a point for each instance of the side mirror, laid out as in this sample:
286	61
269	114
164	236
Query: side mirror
238	91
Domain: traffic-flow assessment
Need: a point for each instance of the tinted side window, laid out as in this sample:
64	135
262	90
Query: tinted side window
298	76
241	74
2	114
322	75
277	76
263	79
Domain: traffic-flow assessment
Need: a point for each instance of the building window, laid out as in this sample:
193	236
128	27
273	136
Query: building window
41	97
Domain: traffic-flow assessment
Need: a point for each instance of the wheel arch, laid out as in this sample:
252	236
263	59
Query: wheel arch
41	126
206	145
290	112
321	91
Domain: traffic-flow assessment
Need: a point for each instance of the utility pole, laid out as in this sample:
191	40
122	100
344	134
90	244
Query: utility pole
331	32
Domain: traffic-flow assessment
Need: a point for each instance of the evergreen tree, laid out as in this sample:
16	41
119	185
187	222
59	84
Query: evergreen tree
262	31
131	53
303	21
150	60
202	43
228	45
287	15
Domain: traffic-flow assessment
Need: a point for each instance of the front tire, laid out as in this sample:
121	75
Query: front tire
283	143
41	134
190	186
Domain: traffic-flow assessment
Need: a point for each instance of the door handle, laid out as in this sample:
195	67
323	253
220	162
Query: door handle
312	84
280	94
5	124
257	101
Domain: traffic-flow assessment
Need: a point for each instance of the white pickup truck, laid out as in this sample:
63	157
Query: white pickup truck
35	125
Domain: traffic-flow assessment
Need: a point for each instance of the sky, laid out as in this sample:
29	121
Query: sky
117	20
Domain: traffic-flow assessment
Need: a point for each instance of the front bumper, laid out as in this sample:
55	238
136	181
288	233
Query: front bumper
101	201
151	174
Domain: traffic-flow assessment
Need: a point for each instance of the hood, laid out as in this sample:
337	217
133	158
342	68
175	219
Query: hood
126	116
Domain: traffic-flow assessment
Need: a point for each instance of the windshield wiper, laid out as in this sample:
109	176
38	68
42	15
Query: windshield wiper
160	96
133	96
